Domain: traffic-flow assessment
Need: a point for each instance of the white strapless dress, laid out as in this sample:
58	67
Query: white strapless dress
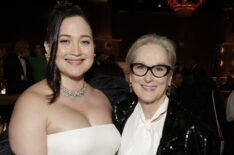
95	140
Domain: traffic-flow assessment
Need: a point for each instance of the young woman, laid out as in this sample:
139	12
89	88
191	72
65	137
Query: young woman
63	114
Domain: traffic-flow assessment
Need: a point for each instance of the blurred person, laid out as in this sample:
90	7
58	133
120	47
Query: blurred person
229	83
229	139
103	57
195	65
38	63
176	86
17	69
153	123
104	68
123	65
177	79
110	79
230	107
63	115
197	97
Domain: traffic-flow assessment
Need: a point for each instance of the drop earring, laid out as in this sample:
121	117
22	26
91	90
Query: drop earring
47	55
168	91
130	87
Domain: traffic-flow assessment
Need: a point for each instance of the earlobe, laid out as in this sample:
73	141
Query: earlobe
130	78
47	47
170	79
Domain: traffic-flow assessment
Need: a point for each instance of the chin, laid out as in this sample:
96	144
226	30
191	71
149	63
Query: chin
147	101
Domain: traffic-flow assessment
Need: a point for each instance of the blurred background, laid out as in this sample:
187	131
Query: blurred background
202	28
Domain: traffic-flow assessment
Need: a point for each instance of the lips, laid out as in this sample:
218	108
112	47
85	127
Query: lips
75	61
148	88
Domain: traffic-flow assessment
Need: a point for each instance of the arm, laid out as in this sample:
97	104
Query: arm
27	129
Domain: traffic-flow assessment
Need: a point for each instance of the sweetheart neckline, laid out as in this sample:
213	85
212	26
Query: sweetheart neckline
83	128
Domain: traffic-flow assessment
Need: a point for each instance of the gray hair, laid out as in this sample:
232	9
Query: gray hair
163	41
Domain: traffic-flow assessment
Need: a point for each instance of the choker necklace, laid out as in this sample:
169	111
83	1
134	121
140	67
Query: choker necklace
74	94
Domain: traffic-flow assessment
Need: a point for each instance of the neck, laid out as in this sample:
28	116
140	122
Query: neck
149	109
72	84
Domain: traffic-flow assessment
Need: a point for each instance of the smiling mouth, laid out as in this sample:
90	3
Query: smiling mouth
75	61
148	88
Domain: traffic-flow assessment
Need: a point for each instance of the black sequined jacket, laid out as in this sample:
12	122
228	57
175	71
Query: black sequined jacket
182	133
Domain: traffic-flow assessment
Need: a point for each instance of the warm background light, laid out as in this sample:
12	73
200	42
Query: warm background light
184	7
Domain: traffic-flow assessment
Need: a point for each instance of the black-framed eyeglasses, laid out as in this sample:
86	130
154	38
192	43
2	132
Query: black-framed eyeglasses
158	71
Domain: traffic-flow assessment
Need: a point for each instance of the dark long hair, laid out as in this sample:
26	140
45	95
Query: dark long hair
59	12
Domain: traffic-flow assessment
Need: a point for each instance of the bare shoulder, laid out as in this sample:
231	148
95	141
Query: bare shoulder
99	98
36	96
31	104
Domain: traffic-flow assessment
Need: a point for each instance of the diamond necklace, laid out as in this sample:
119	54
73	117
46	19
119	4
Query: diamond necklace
74	94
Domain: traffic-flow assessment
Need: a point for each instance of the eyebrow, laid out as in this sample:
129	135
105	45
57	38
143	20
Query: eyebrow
69	36
152	65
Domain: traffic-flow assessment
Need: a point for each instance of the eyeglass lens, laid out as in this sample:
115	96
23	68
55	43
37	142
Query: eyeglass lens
157	70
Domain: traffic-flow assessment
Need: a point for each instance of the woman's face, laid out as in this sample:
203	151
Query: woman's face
148	88
75	52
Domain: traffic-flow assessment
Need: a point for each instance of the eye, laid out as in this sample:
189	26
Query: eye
87	42
159	68
139	66
64	41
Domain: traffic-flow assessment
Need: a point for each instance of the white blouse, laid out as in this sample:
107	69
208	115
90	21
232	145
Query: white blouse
141	136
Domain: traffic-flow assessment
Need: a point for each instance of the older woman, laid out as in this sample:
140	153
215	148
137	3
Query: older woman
153	124
63	115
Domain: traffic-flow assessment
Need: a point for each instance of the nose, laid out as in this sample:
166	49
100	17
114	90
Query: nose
148	77
75	49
